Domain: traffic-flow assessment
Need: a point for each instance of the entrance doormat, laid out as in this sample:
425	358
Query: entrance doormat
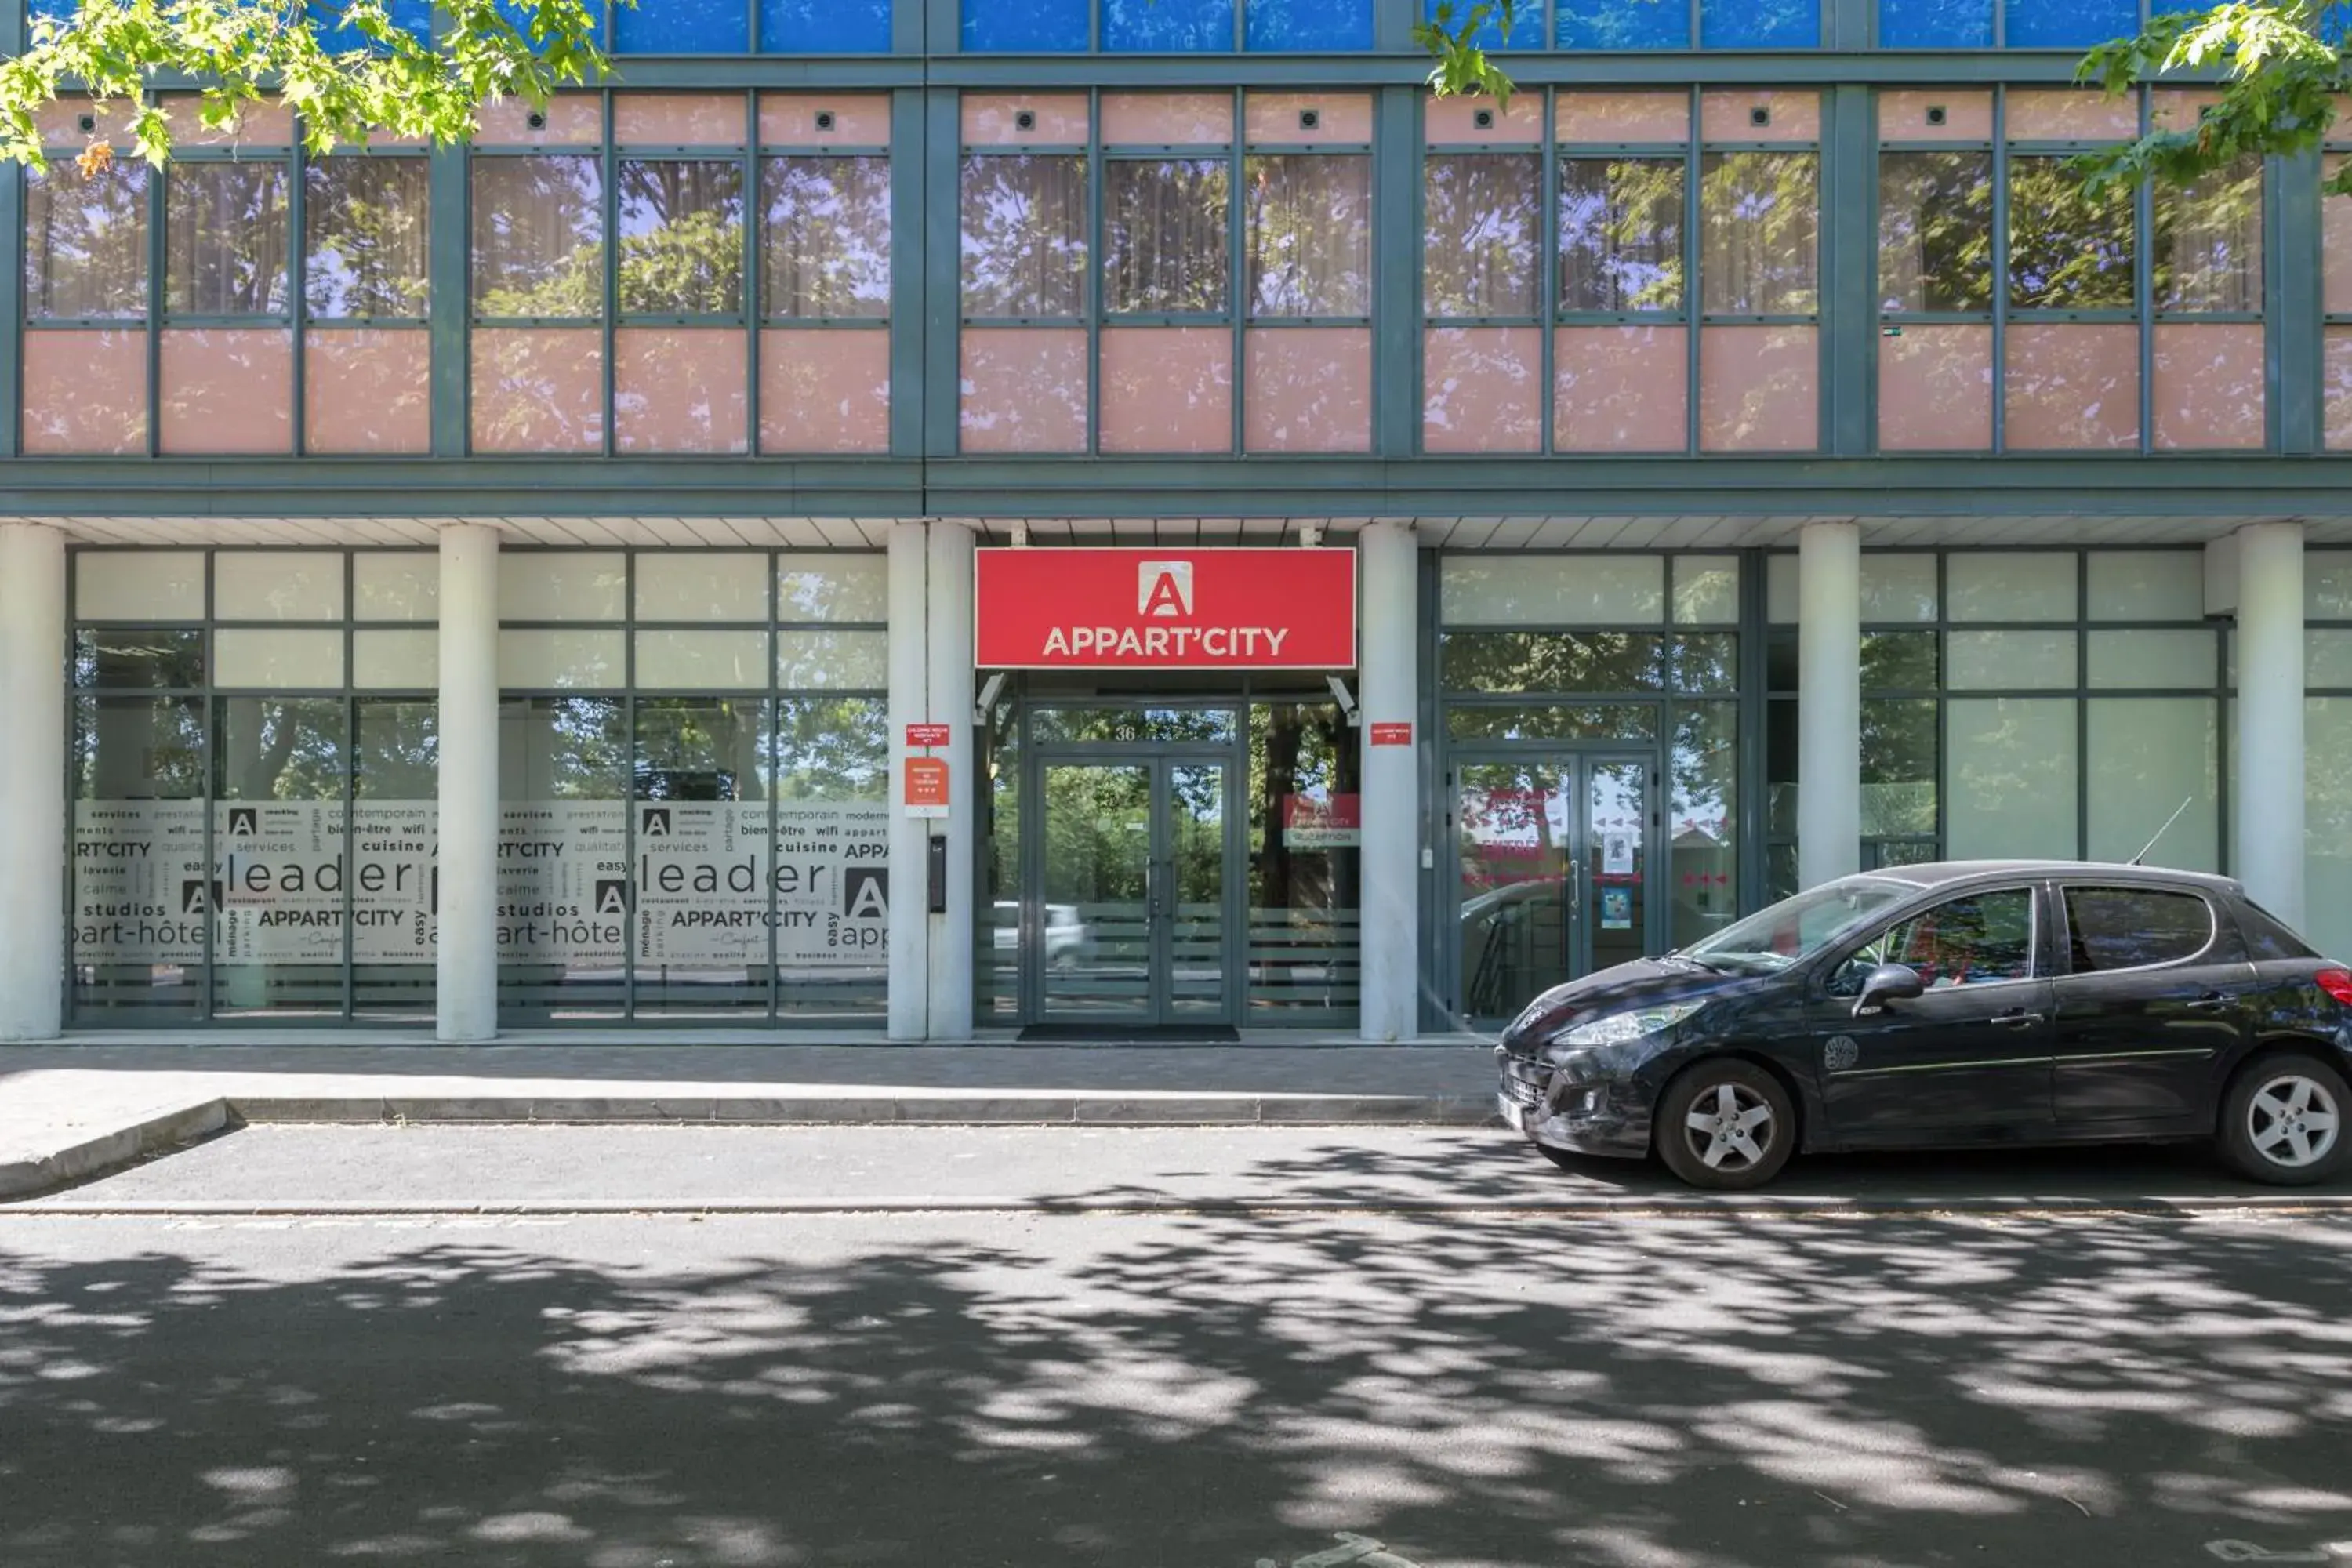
1129	1035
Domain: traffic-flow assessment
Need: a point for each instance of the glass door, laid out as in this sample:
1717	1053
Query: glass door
1555	862
1132	921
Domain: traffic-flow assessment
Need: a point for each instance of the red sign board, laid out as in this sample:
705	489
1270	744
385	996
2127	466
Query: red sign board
1165	609
927	786
1392	734
1330	822
928	734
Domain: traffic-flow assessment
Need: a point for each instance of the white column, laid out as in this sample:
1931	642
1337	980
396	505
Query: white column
2270	774
35	848
949	630
1389	561
909	701
467	965
1828	702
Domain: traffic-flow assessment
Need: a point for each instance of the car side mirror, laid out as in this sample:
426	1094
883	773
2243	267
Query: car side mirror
1888	982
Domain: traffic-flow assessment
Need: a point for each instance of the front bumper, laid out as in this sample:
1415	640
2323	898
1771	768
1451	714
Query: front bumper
1591	1118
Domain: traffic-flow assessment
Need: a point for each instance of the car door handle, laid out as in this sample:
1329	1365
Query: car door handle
2020	1020
2211	1002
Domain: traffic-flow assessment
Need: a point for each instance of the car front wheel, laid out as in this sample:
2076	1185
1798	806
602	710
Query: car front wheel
2283	1121
1725	1125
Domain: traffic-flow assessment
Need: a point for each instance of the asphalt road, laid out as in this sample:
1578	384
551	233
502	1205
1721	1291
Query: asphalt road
1048	1386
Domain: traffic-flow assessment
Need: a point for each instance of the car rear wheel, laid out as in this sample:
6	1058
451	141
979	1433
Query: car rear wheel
1725	1124
2283	1121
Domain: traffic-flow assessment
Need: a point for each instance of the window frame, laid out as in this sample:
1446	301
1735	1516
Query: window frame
2062	887
2038	958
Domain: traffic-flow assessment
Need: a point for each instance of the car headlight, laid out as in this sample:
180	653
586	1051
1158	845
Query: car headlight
1620	1028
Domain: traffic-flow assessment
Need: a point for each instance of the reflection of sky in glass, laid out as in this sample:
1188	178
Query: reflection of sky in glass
1025	240
681	224
413	16
1527	22
1621	236
367	222
851	588
1309	23
2069	24
86	242
1023	27
1624	25
824	26
682	28
2067	252
224	228
1934	24
1167	26
825	227
1479	233
1761	24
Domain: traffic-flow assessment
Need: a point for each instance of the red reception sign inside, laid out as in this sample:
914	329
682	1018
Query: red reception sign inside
1165	609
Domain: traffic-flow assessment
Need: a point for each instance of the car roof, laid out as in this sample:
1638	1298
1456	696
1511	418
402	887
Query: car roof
1938	873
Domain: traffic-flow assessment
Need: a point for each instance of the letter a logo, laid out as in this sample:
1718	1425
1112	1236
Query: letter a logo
1164	589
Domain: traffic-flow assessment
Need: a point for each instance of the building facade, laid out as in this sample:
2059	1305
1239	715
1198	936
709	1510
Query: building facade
564	581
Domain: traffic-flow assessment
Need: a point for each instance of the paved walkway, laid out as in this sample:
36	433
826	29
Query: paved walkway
67	1113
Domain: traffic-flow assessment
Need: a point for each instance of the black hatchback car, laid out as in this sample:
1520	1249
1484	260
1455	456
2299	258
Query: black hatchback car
1952	1006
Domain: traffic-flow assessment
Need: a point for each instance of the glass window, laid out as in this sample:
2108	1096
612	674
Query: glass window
139	778
1613	24
1025	236
1167	26
1165	233
1891	661
1551	661
277	659
824	26
1760	24
2012	780
277	585
563	780
1025	27
825	234
1704	772
86	242
401	659
1899	768
2131	928
1621	235
2146	758
1707	590
367	222
225	229
2068	249
699	586
1481	234
1980	940
562	585
1934	231
2069	24
139	584
2013	585
1552	590
681	237
1285	26
395	585
2209	244
1897	587
828	661
2146	584
1934	24
2015	660
682	28
1758	216
836	588
2152	658
127	658
539	234
1310	234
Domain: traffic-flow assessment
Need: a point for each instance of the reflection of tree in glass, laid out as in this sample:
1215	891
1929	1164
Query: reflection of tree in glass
2209	243
1552	661
2069	249
539	229
832	749
396	751
1310	236
1934	231
825	227
270	748
1759	216
86	242
681	237
698	749
1164	249
366	221
1025	236
1480	234
225	239
1621	235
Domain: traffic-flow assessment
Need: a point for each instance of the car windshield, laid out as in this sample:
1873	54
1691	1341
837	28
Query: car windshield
1774	938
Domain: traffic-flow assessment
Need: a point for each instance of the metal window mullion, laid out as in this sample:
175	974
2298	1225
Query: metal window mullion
611	203
754	215
1548	308
1999	431
157	298
298	247
351	791
2144	288
1093	301
1238	294
634	895
208	795
2082	703
1693	166
773	746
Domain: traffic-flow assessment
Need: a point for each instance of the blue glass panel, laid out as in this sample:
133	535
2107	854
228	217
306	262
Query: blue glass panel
1167	26
1934	24
519	13
683	28
1760	24
2069	23
415	15
824	26
1309	23
1526	23
1025	27
1624	25
55	10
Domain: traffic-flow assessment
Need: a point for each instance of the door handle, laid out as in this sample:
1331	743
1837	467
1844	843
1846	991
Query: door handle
2019	1019
2211	1002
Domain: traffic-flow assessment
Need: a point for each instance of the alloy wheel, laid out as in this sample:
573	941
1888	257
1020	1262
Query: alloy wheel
2293	1121
1730	1127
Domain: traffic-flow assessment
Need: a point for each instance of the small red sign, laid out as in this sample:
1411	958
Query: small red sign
928	734
1325	822
927	786
1392	734
1165	609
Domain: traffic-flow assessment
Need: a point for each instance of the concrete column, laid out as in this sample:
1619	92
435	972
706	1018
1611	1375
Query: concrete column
35	849
2270	775
1828	702
1389	563
466	962
949	630
910	964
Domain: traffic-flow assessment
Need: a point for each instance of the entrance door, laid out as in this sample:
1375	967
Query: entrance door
1133	920
1557	858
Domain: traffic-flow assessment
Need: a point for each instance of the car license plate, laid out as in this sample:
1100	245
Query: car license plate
1515	1115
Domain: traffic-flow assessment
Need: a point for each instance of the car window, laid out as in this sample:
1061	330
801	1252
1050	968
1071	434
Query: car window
2267	936
2131	928
1975	940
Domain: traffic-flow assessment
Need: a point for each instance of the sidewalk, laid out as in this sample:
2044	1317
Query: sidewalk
67	1113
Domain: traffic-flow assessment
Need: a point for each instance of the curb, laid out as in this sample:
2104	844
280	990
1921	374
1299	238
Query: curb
109	1152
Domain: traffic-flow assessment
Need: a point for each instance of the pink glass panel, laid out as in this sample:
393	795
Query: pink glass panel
2340	130
679	389
678	120
1341	118
1902	116
1168	119
227	389
1935	390
1167	389
537	389
1482	389
85	392
2338	390
1726	116
59	121
1025	389
859	120
367	391
2210	384
2336	247
2071	389
990	120
1311	389
264	124
1621	389
824	391
2178	108
1624	117
571	119
1457	120
2069	114
1758	389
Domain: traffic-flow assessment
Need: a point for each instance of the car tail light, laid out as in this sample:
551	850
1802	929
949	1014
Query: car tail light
2337	982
